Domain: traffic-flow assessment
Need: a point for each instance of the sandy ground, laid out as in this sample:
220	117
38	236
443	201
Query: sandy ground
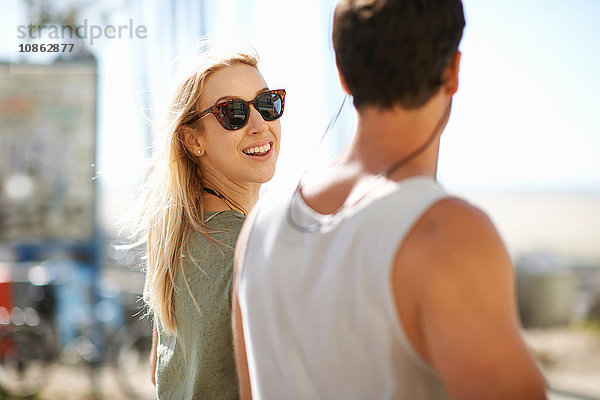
75	382
570	358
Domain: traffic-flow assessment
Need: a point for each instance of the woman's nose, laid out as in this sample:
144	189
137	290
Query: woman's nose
256	123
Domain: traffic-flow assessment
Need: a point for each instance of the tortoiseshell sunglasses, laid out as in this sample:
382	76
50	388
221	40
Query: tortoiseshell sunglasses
233	114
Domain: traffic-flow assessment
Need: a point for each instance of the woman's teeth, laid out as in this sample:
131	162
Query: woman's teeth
259	150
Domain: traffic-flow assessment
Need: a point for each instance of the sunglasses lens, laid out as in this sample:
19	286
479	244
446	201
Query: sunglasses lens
269	105
234	114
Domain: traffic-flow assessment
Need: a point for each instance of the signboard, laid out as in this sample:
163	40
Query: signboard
47	151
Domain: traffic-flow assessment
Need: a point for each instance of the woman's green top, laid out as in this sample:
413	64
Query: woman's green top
198	362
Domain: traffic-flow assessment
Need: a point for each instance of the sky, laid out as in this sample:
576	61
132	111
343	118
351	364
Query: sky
526	111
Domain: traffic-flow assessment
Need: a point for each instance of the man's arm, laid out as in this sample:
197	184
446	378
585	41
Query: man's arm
152	363
240	351
464	316
239	344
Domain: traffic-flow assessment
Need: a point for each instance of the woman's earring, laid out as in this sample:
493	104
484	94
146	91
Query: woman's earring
200	152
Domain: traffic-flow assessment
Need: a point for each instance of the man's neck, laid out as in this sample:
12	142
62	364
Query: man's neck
405	140
385	137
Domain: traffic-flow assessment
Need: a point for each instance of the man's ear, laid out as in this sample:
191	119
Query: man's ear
343	82
451	74
192	140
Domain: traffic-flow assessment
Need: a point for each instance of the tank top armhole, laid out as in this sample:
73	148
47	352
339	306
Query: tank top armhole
387	261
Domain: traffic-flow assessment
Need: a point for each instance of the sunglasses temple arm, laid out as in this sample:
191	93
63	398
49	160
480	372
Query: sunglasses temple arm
200	116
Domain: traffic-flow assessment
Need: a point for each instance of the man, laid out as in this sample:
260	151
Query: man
371	282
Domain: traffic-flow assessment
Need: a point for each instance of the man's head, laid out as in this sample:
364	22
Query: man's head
395	52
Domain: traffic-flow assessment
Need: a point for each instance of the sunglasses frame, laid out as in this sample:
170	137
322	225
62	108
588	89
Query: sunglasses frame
216	109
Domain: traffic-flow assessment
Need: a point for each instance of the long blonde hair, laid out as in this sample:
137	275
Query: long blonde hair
172	205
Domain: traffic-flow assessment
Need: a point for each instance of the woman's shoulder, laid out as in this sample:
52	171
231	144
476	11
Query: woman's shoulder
222	230
224	219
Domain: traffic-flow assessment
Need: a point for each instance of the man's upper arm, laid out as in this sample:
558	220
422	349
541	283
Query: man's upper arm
153	354
466	305
237	325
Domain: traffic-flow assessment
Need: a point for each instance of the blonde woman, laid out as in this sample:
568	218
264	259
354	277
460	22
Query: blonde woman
224	136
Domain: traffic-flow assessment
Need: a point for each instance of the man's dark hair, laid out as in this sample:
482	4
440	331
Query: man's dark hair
392	52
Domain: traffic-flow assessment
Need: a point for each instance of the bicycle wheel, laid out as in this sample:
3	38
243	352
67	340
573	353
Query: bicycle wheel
24	363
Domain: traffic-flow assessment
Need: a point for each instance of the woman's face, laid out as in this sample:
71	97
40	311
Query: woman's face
228	153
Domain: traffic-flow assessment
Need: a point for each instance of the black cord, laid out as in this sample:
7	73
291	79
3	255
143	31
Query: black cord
211	191
403	161
443	120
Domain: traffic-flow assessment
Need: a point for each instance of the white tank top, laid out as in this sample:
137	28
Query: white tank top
318	309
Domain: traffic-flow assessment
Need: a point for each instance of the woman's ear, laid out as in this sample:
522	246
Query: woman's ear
192	140
451	84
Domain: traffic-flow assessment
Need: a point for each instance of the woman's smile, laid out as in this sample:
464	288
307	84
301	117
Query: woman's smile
259	151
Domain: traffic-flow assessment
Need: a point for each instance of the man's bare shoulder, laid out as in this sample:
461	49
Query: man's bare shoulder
452	248
453	229
455	216
454	287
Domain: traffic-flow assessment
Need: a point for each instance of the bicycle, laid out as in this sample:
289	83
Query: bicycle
129	351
